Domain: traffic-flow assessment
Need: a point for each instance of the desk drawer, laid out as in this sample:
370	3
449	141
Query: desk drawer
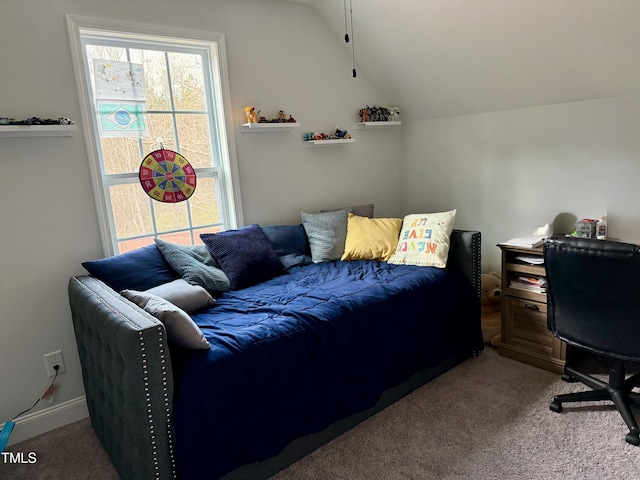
526	326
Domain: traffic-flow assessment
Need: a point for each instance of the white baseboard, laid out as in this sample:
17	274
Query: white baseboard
48	419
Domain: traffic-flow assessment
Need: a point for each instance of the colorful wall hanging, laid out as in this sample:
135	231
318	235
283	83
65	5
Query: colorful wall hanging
167	176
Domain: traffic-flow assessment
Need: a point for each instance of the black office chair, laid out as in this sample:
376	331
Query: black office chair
593	302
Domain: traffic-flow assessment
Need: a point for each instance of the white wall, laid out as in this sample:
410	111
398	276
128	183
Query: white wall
281	56
509	172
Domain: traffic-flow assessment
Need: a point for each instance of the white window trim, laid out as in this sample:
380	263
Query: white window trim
216	43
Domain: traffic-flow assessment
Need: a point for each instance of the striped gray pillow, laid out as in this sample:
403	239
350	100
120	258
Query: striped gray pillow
327	233
195	265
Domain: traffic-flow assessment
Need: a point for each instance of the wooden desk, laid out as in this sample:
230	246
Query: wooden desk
525	336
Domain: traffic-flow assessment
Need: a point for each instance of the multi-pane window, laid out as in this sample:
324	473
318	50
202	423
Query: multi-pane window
146	93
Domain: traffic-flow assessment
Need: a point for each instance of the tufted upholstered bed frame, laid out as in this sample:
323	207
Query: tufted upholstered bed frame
128	379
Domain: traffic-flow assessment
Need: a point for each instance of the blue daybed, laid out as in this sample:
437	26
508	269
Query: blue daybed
292	360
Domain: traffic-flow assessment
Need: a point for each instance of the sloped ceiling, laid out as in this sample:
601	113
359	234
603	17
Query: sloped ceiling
442	58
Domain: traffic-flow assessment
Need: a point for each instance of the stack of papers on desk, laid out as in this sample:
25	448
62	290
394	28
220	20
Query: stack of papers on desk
531	260
531	284
524	242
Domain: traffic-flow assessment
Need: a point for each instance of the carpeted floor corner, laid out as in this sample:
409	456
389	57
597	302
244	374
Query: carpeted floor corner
487	419
72	452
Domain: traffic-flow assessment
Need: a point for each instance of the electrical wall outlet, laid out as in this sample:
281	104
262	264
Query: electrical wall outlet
51	360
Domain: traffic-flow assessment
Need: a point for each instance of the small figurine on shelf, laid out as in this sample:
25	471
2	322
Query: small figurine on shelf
291	119
341	133
252	115
394	114
364	115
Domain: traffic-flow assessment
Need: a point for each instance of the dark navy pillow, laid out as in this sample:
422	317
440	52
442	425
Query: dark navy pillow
138	269
245	255
290	243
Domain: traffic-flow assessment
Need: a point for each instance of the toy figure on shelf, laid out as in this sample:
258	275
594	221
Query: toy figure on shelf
36	121
339	134
379	114
252	115
282	118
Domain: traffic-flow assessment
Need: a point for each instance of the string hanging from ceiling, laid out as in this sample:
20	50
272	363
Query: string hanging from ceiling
346	35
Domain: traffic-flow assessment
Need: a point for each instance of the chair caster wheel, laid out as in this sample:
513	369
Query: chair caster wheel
633	438
567	377
555	407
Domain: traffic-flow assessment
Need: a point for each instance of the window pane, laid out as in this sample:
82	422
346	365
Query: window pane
171	216
183	238
159	126
155	77
187	82
204	203
106	53
131	210
128	245
195	142
196	234
120	154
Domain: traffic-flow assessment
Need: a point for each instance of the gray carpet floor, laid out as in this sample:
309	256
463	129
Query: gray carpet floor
488	418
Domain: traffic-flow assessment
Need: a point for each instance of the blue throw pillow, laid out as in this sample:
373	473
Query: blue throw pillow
290	243
245	255
138	269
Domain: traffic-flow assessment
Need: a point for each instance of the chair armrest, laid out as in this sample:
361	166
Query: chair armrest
126	370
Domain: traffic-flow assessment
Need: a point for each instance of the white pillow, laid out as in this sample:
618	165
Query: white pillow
181	329
424	239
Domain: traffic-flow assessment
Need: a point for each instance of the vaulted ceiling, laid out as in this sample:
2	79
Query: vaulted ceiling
441	58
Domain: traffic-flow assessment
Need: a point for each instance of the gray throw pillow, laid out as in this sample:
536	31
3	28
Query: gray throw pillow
195	265
181	329
327	233
182	294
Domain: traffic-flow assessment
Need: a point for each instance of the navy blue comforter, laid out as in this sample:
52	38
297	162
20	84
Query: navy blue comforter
294	354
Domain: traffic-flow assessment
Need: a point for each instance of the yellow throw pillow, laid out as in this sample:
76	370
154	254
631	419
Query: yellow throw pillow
371	238
424	239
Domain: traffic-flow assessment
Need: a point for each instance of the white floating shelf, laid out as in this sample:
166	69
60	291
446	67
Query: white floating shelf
328	143
361	125
37	130
267	127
